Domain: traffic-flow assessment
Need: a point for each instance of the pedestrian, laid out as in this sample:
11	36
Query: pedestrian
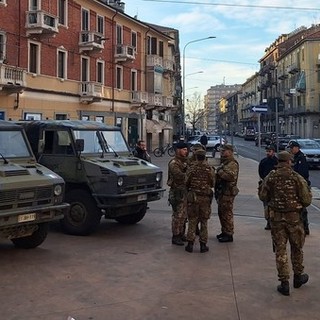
287	193
199	182
225	191
300	165
265	166
177	168
204	140
140	151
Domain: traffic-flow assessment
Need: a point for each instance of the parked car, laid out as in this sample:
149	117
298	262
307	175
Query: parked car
283	141
214	142
265	138
311	149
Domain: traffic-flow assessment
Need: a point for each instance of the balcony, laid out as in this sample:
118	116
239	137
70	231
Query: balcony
91	92
12	79
168	65
139	97
91	41
154	61
167	102
41	22
124	53
293	69
155	99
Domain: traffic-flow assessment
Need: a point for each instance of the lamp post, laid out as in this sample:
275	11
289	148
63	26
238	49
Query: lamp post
184	78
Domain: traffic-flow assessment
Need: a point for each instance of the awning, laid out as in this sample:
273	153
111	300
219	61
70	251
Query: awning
153	126
165	125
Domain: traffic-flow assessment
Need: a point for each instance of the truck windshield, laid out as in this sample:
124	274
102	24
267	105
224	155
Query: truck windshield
93	142
13	145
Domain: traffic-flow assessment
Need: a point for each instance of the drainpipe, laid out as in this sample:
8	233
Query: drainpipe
145	83
113	66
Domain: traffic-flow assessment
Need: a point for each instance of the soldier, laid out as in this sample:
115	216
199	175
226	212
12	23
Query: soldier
177	168
287	193
300	165
199	183
265	166
192	159
225	191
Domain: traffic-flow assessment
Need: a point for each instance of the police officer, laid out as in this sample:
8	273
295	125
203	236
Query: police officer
287	193
265	166
199	182
300	165
177	168
225	191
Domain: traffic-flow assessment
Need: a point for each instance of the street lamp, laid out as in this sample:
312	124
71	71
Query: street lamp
191	74
184	78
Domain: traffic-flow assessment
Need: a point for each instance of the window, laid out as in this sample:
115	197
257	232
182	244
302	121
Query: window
34	58
119	77
154	45
62	64
84	20
161	48
119	34
100	24
62	11
3	41
34	5
149	45
100	72
32	116
84	69
134	39
61	116
134	80
100	119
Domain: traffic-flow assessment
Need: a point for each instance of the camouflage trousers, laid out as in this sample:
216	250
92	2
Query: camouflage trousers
282	231
225	213
199	212
179	218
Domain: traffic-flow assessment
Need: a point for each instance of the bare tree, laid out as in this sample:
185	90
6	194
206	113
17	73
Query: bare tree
195	111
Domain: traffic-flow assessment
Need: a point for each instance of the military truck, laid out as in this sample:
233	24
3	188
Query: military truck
30	195
102	179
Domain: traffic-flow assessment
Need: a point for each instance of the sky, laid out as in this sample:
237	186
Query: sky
243	30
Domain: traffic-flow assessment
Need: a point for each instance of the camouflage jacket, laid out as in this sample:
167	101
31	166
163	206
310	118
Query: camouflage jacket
285	190
177	168
200	178
227	177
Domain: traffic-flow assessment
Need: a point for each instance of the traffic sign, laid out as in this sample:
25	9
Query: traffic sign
260	108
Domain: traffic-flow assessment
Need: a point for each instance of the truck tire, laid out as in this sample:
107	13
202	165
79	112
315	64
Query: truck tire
133	218
33	240
84	216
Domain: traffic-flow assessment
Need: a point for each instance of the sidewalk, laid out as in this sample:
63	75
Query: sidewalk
238	280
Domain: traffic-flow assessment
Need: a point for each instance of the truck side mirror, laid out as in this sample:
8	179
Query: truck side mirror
79	145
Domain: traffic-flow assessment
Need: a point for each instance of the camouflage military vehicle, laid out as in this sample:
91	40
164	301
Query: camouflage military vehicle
30	194
102	179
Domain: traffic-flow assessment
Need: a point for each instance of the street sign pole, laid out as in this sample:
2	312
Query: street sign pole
277	125
259	135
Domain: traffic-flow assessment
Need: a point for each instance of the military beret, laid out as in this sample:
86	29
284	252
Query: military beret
284	156
200	152
227	147
181	145
271	147
294	144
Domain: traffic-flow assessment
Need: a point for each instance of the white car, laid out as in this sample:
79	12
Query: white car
311	149
214	142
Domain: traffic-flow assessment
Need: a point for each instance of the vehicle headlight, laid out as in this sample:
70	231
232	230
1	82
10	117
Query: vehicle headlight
158	176
57	190
120	181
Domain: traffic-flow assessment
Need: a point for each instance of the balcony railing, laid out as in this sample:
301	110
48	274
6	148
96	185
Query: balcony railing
12	78
39	21
168	64
139	97
154	61
124	53
155	99
90	41
167	101
91	91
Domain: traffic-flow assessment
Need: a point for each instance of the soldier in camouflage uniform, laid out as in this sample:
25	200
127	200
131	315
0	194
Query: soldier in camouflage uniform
287	193
225	191
177	168
199	183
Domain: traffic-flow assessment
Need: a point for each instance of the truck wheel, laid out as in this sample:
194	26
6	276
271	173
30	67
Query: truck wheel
33	240
84	216
133	218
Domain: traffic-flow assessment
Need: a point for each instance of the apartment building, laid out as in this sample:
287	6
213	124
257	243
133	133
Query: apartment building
86	59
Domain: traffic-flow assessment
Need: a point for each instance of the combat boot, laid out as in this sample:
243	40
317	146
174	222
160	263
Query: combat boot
284	288
300	279
203	247
183	237
226	238
189	246
306	230
177	240
220	235
268	226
